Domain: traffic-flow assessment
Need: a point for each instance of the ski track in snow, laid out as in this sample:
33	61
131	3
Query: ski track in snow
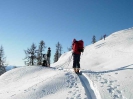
66	79
89	92
113	56
60	81
89	89
104	79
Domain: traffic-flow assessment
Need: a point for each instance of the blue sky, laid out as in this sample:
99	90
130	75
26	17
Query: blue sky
23	22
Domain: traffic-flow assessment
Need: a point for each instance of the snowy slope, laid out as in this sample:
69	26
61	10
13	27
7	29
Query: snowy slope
106	67
106	54
109	65
40	83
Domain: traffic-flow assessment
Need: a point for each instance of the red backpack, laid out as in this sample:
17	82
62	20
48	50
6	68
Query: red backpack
78	46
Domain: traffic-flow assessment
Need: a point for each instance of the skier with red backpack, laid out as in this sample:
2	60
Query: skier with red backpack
77	48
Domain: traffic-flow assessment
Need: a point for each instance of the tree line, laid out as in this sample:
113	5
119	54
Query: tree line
34	54
94	38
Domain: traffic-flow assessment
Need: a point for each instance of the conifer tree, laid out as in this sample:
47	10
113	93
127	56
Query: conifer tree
58	52
101	38
40	52
56	56
2	58
2	61
94	39
31	56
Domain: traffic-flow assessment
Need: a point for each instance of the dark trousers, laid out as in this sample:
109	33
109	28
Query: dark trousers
76	60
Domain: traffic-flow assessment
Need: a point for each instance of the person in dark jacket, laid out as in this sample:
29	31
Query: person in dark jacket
48	56
76	56
104	36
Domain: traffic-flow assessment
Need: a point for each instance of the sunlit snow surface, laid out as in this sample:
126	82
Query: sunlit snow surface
106	66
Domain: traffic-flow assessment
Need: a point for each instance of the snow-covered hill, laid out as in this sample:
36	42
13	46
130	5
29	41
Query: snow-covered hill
106	66
110	53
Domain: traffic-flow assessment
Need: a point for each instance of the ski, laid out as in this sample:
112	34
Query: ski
79	73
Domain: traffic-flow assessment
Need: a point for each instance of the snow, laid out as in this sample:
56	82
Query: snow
106	67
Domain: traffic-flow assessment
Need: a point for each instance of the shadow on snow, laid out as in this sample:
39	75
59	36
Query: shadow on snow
118	69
